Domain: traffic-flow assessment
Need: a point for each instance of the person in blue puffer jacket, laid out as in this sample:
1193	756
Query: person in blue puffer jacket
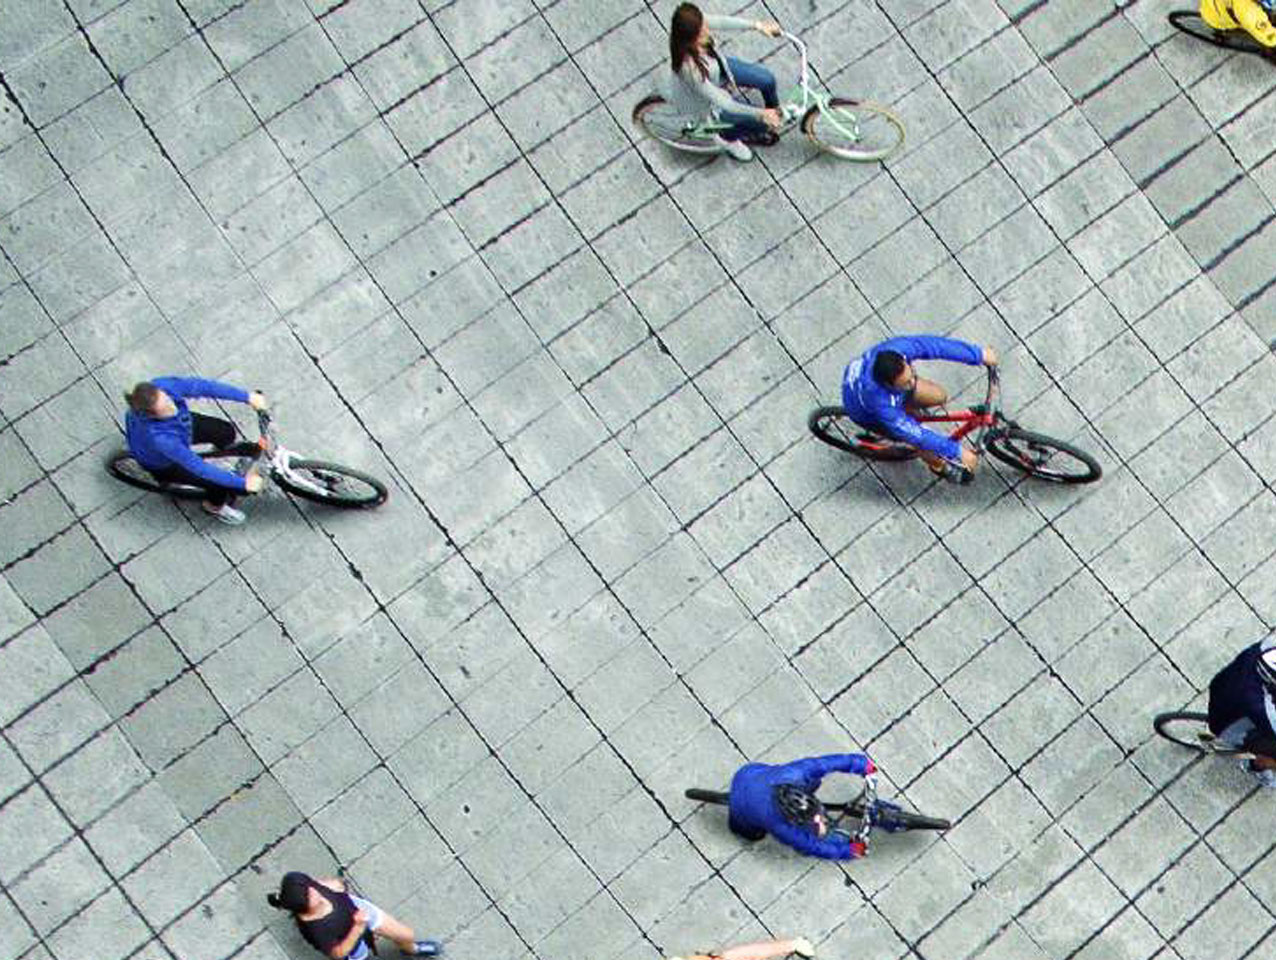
882	393
779	799
161	429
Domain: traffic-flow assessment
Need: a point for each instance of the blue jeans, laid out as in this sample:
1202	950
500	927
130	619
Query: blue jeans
756	77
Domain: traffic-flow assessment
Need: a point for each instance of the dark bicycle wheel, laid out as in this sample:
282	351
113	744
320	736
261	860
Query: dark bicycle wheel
1191	23
893	820
122	466
1190	729
707	796
834	427
1043	457
333	484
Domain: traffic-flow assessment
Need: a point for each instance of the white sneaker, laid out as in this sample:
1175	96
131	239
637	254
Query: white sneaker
736	149
1265	778
226	514
803	947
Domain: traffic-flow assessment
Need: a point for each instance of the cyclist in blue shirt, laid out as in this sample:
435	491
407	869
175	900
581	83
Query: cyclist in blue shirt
779	799
161	428
1242	711
882	393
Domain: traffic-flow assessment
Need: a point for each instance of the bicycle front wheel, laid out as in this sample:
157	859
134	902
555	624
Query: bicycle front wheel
333	484
655	117
1194	25
900	820
1190	729
707	796
1043	457
834	427
854	129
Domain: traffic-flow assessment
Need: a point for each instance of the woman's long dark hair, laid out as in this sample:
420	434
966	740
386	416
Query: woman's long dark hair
683	31
294	893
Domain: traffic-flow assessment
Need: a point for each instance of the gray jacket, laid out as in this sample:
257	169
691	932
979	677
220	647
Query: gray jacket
699	97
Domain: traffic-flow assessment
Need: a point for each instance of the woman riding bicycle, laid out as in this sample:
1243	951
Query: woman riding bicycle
699	74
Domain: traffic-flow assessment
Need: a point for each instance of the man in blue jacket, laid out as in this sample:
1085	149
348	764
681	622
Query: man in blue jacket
882	392
779	799
1242	708
161	429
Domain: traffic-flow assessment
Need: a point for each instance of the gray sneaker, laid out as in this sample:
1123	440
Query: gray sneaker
735	149
226	514
1265	778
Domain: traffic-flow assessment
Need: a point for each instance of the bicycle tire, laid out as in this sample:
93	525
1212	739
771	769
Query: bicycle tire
1024	450
1196	734
906	820
877	132
1194	25
707	796
123	467
646	117
834	427
327	477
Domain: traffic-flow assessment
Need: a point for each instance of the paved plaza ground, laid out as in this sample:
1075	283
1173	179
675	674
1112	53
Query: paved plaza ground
614	564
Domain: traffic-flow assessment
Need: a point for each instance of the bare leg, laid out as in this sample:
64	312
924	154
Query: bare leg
1264	763
397	931
926	394
761	951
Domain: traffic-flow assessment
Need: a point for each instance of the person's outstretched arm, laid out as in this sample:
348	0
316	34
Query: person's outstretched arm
765	949
831	846
187	387
815	768
186	458
901	426
924	346
715	95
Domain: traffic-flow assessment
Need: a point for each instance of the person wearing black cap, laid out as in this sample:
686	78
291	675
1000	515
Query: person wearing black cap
339	924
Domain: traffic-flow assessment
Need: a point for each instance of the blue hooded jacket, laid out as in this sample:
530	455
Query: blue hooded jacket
1238	700
158	443
872	405
753	808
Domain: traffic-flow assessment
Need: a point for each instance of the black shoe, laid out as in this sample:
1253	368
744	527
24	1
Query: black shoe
767	138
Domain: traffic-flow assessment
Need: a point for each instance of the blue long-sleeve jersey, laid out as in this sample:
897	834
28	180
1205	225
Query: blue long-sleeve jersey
157	443
1242	710
878	407
754	811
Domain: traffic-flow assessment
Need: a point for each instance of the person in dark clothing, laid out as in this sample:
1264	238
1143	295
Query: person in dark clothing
339	924
779	799
161	430
1242	709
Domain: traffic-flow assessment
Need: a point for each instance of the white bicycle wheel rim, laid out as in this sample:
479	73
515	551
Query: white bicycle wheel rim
829	139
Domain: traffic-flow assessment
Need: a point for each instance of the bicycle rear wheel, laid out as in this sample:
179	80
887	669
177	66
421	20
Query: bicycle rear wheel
854	129
834	427
656	118
333	484
123	467
1190	729
1043	457
707	796
1194	25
